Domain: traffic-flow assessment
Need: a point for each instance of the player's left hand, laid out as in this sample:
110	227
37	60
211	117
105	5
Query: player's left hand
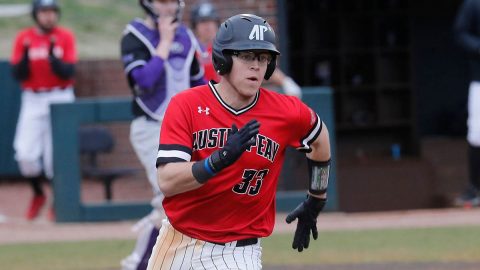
307	213
51	54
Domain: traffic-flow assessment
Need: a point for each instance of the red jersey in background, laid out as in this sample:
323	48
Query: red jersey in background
41	76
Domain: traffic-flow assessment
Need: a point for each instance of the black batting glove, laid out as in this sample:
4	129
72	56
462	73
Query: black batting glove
26	47
21	70
307	213
51	55
63	70
237	142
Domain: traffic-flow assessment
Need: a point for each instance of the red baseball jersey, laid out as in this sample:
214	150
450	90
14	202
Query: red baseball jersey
239	201
41	76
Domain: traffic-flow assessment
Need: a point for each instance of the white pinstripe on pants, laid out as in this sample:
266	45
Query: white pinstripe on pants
177	251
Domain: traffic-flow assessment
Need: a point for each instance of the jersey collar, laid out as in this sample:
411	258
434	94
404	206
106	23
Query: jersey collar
228	107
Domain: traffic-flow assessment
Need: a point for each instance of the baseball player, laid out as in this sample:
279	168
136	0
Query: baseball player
43	61
222	146
468	37
158	54
205	21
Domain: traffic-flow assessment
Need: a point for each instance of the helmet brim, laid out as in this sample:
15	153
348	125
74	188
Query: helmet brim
248	45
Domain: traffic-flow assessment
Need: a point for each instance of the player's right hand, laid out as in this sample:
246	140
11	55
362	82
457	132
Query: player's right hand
167	28
51	53
26	48
237	142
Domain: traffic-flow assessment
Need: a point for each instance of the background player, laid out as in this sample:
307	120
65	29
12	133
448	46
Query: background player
43	62
219	180
158	54
468	36
205	21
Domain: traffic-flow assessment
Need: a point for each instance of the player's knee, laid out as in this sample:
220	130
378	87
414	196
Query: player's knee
29	168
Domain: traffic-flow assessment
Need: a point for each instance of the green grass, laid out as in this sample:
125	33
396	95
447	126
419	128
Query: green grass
98	25
407	245
85	255
456	244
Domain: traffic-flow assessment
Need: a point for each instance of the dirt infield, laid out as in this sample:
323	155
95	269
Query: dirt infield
15	229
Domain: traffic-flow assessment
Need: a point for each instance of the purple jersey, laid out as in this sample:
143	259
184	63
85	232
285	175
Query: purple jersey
153	80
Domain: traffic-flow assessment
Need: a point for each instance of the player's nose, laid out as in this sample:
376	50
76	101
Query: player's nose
255	64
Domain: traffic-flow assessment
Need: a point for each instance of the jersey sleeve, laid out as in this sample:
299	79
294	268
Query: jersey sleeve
175	135
133	53
17	51
308	126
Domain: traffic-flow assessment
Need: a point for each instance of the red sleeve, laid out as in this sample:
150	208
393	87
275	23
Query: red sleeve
17	52
70	50
307	125
176	136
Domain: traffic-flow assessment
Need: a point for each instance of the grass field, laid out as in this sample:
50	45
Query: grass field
98	25
455	244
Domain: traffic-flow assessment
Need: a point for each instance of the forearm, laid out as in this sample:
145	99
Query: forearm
277	77
163	49
62	69
289	86
21	71
146	76
175	178
179	177
320	154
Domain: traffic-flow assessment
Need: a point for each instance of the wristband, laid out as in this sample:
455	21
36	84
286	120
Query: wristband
319	173
202	171
316	204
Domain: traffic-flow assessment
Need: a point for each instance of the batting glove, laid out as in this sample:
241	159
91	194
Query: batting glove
237	142
307	213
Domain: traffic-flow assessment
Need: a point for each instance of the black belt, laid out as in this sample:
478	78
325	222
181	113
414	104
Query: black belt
241	243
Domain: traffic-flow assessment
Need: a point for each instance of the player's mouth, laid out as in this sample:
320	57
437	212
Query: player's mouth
253	79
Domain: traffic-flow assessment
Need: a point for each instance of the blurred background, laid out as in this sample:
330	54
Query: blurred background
399	87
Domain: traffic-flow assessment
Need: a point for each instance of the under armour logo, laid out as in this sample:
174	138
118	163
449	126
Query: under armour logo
257	32
206	111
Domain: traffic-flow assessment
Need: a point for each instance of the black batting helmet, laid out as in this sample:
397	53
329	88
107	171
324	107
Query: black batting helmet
148	8
43	4
204	11
243	32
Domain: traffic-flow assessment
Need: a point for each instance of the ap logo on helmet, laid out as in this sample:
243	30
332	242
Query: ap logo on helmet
257	32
